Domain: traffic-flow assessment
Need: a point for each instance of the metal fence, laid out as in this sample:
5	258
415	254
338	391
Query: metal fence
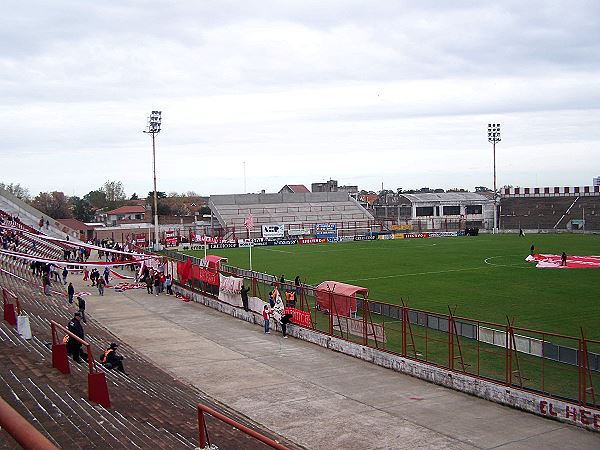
560	366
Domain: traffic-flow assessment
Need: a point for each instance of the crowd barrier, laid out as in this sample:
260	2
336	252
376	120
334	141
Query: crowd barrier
203	431
550	364
97	386
26	435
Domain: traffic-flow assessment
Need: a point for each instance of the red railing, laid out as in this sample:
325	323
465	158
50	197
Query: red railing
22	431
97	387
12	307
203	435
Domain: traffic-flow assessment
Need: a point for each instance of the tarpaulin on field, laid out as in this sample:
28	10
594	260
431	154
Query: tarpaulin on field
573	262
338	298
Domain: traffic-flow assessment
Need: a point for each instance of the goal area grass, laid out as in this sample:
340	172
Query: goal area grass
484	277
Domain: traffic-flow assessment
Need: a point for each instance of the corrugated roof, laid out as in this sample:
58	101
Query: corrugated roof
75	224
445	197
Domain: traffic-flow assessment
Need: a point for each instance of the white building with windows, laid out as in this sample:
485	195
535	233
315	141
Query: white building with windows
439	211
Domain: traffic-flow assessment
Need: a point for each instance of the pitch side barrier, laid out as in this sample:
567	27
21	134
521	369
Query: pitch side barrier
213	243
554	365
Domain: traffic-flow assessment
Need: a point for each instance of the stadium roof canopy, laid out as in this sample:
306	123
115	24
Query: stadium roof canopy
445	197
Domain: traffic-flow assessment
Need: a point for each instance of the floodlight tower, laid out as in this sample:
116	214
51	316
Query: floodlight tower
493	137
153	129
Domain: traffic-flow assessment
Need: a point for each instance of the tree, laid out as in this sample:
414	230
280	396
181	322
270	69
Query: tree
134	197
159	194
114	191
482	189
96	198
54	204
204	210
82	210
17	190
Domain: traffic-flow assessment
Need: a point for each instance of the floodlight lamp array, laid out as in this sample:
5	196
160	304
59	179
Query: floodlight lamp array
494	132
154	122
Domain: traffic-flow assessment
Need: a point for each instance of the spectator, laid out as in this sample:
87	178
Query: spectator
297	284
70	292
149	284
73	345
65	272
157	283
285	319
111	360
81	306
266	316
244	294
106	273
100	283
169	284
163	280
46	283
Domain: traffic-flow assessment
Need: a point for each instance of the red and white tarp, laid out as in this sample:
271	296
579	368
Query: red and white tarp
573	262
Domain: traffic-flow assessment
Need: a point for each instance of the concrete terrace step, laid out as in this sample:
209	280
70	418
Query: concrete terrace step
150	409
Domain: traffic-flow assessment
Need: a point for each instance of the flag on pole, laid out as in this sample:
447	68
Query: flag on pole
249	221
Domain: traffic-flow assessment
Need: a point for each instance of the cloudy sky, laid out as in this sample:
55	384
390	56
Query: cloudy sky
394	92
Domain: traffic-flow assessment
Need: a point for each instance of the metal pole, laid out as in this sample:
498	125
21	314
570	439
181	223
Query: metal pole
156	243
495	230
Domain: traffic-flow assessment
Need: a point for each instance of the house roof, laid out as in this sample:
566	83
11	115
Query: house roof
297	188
75	224
128	209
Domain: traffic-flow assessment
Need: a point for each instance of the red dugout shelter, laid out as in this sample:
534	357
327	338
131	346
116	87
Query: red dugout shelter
339	297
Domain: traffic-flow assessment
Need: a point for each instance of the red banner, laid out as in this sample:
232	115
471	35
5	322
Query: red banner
312	241
204	274
299	317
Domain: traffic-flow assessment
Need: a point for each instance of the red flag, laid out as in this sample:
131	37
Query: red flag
186	271
249	221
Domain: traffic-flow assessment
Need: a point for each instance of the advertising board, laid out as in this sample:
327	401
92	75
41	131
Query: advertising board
273	231
325	230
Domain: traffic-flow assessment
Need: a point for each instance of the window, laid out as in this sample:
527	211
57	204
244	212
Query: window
452	210
473	209
424	210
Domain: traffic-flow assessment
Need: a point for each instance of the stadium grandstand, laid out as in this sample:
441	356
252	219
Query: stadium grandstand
550	208
437	211
297	212
15	208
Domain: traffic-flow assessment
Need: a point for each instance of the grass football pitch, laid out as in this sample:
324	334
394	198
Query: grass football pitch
484	277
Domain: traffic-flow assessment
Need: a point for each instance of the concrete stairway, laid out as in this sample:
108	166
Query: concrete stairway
150	409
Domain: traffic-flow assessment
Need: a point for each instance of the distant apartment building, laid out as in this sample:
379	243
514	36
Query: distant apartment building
332	186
